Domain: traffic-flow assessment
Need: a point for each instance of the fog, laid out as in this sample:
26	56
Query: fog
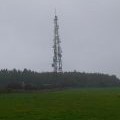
89	31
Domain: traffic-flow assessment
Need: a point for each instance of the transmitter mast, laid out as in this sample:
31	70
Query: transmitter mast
57	58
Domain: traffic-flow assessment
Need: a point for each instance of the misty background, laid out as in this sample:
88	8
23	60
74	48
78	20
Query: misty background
89	31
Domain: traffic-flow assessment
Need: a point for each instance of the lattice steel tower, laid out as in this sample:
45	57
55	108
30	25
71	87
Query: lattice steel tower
57	58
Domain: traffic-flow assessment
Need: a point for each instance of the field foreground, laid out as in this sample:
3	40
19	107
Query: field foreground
77	104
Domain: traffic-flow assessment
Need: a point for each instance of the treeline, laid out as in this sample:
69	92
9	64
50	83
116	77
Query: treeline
30	80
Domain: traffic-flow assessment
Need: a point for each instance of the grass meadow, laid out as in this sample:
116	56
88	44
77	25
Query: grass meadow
74	104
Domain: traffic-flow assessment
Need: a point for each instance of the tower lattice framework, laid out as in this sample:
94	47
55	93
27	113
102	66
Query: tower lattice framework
57	58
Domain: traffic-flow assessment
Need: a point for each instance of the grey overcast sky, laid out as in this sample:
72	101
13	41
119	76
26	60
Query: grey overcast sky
89	31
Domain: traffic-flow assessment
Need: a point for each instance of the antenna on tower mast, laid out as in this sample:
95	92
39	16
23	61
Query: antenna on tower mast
57	58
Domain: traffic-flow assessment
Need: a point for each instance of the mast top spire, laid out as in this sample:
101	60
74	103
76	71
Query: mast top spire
55	12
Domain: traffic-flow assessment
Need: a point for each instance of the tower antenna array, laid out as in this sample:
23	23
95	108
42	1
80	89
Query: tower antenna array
57	58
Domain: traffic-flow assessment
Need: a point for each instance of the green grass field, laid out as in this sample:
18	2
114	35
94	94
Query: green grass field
78	104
